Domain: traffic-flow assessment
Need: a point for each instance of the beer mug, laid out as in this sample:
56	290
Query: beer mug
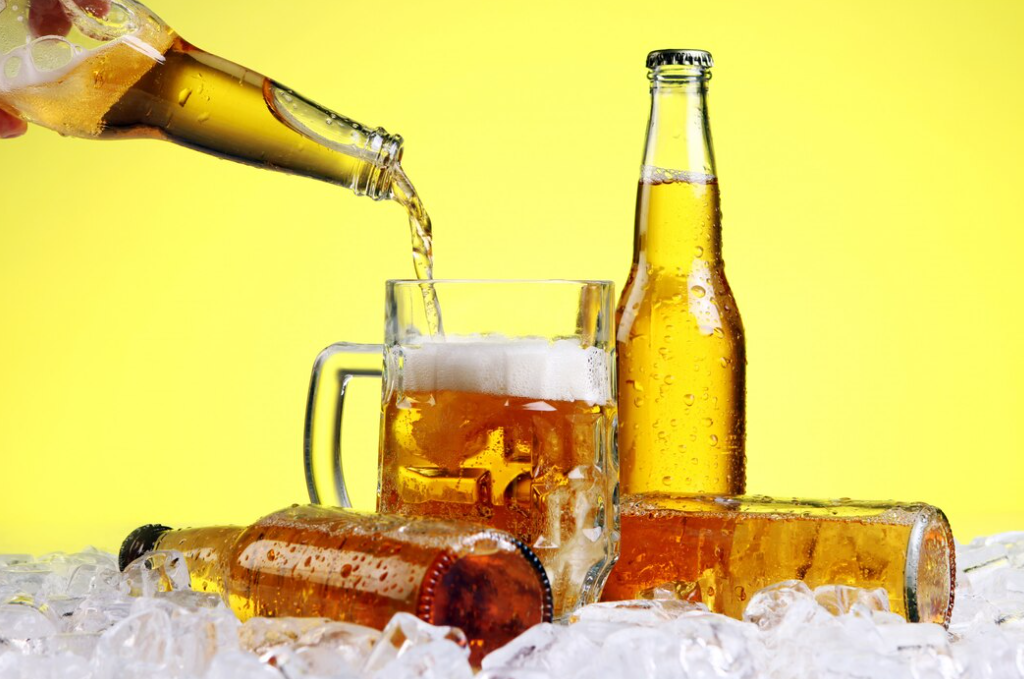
506	418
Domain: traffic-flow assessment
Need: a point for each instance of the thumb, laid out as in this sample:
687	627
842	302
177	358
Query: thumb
11	126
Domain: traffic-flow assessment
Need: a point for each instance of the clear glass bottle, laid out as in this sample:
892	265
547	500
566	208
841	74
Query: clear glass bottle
720	551
314	561
127	74
680	342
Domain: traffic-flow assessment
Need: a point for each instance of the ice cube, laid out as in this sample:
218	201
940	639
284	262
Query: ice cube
843	599
309	646
159	571
638	612
240	665
261	634
557	650
789	601
161	636
409	647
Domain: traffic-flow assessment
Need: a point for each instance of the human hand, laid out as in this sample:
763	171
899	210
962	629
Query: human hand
47	17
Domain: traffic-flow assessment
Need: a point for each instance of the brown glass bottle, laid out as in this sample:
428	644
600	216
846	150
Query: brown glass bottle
364	568
720	551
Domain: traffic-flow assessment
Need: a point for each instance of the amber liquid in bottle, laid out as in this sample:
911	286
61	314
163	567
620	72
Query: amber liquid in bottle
680	346
364	568
720	551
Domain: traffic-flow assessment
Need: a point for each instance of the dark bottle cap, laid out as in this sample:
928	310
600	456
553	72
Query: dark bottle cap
138	542
680	58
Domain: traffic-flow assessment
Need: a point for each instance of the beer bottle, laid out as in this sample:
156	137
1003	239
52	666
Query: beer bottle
120	72
720	551
314	561
680	339
128	74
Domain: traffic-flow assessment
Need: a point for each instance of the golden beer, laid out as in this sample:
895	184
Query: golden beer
680	339
509	435
720	551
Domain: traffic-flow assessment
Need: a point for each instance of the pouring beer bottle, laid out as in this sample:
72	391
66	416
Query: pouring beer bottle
680	339
314	561
117	71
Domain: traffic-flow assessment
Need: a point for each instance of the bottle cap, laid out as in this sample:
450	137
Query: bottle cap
680	58
138	542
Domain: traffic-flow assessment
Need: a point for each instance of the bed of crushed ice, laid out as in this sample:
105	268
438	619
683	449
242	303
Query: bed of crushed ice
77	616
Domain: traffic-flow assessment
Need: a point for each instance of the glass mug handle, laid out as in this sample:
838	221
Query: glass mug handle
324	409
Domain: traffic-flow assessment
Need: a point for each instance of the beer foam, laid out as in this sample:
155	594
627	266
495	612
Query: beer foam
562	370
40	61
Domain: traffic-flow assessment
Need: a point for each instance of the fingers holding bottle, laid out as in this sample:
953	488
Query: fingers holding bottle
49	17
11	125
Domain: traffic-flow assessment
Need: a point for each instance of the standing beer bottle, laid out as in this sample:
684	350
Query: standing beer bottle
312	561
680	338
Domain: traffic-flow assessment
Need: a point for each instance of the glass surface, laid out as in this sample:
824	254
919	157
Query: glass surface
720	551
507	419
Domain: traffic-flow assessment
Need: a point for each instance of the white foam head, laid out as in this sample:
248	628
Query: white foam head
562	370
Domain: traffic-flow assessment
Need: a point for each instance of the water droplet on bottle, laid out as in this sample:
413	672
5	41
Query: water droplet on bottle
666	480
708	422
698	251
688	399
713	440
724	361
638	402
183	96
670	379
698	291
328	121
719	332
203	117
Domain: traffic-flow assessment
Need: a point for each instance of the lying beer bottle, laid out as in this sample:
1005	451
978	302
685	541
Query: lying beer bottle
720	551
363	568
680	341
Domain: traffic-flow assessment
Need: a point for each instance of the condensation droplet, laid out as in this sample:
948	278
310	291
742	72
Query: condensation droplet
708	422
670	379
638	402
698	251
713	440
719	332
183	96
203	117
689	399
724	361
697	291
666	480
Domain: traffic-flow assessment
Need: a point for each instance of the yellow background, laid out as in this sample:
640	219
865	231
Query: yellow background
161	309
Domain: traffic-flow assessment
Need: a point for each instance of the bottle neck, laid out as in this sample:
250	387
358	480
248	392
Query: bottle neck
678	225
207	552
207	103
678	132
